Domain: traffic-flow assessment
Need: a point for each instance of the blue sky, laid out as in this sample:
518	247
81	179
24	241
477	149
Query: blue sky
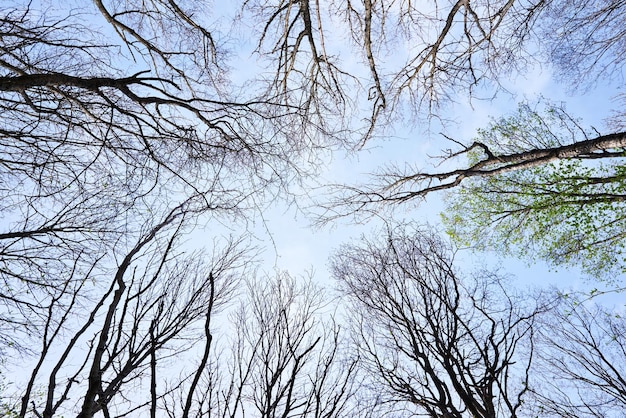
297	247
287	241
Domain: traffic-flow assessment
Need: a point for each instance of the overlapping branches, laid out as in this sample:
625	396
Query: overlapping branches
110	116
415	53
431	342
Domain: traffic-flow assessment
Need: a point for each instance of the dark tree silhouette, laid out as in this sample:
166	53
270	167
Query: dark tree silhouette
286	358
111	115
432	343
108	330
581	367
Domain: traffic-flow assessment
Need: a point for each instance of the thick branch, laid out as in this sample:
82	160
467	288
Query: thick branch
23	82
605	146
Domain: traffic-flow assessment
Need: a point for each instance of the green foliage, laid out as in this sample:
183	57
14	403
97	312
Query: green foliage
568	212
8	404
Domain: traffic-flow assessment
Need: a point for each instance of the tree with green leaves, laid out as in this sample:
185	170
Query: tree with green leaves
535	184
539	185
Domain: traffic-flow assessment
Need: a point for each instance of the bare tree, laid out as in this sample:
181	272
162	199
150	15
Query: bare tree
415	56
432	343
437	48
286	358
104	339
584	41
581	368
111	114
109	108
295	367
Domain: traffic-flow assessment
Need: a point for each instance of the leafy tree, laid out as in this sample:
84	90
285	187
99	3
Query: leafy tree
498	205
539	185
535	184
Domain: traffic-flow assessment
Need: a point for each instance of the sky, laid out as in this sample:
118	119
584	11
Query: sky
285	234
287	240
296	246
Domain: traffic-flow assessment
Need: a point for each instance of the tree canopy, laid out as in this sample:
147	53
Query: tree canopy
534	184
129	127
540	185
431	342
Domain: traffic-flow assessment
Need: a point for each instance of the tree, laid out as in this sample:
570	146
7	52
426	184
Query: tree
111	116
584	41
432	343
285	358
292	350
535	184
473	44
581	352
540	185
147	344
414	57
437	49
106	333
116	113
147	341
